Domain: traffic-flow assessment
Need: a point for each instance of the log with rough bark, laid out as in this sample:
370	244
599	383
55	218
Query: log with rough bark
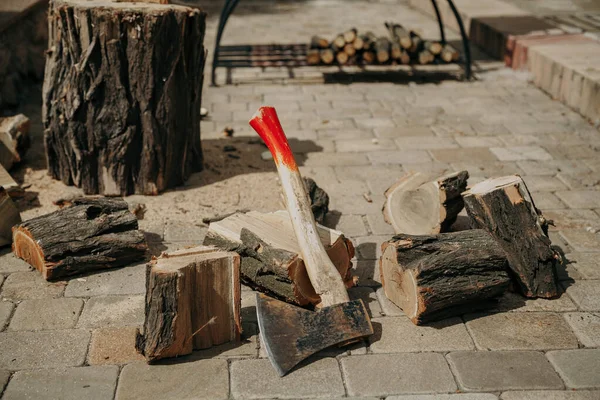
319	200
9	217
382	50
91	234
270	256
399	35
420	205
432	277
192	302
504	207
121	105
14	139
449	54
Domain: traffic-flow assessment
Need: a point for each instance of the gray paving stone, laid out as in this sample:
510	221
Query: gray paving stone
112	311
580	369
388	374
93	383
60	348
389	308
578	152
520	331
503	370
9	263
426	142
350	225
568	219
45	314
356	204
580	198
460	129
375	122
378	226
553	167
519	153
471	154
457	396
547	201
6	308
369	298
587	264
487	169
201	379
579	239
344	134
552	395
516	303
542	183
414	131
113	346
320	378
399	334
176	231
587	181
127	280
30	285
478	141
398	157
586	294
586	327
361	145
334	159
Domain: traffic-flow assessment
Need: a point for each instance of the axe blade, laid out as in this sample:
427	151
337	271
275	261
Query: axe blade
290	334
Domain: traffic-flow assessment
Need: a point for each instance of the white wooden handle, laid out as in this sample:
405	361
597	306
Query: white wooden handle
323	275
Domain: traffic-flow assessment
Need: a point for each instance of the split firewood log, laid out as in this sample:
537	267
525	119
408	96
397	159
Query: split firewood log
270	256
417	43
9	217
434	48
338	42
342	58
192	302
327	56
358	43
317	42
504	207
449	54
432	277
350	35
313	57
14	139
91	234
418	205
349	49
399	34
8	183
382	50
425	57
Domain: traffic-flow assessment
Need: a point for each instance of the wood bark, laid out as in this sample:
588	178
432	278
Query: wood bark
9	217
92	234
270	255
319	200
192	302
504	207
122	93
420	205
14	139
432	277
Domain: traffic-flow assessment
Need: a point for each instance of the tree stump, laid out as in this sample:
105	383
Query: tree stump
418	205
91	234
193	302
122	93
432	277
504	207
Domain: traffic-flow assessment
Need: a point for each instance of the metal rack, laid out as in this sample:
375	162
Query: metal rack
294	55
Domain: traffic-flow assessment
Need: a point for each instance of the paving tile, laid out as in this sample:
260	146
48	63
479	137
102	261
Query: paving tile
388	374
471	154
127	280
30	285
9	263
579	152
334	159
586	294
580	198
4	377
518	153
362	145
553	167
566	219
367	272
378	178
356	204
520	331
44	314
378	226
350	225
487	169
587	264
201	379
369	247
426	142
584	181
456	396
112	311
375	122
369	298
478	141
541	183
446	335
319	378
552	395
113	346
398	157
586	327
345	134
6	308
517	303
547	201
93	383
503	370
395	132
580	369
176	231
579	240
460	129
388	308
60	348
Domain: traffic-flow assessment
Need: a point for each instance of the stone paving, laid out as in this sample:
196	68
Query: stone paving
74	339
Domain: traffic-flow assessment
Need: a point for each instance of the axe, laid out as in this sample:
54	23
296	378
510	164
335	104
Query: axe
291	334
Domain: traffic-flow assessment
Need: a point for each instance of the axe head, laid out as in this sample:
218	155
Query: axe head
290	334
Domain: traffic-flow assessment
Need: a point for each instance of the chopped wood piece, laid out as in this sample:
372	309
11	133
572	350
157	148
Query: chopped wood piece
369	40
313	57
435	277
9	184
358	43
342	58
14	139
449	54
349	49
339	42
350	35
319	200
271	260
434	47
122	94
417	42
327	56
91	234
399	35
504	207
9	217
192	302
382	50
317	42
426	57
418	205
368	57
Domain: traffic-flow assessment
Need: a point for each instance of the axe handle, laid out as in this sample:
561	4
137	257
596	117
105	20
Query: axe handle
323	275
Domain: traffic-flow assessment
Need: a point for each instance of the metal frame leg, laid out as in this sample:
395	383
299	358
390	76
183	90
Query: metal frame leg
440	22
465	39
228	8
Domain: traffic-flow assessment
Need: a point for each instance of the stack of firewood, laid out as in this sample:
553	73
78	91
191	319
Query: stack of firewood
401	46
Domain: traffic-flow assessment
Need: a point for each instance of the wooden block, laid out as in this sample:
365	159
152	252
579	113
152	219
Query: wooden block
433	277
9	217
9	184
192	302
14	139
271	260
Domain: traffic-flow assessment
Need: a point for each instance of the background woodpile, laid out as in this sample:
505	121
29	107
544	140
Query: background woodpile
400	46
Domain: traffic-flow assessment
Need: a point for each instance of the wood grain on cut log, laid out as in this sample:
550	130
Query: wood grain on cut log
313	56
271	260
504	207
449	54
91	234
14	139
420	205
192	302
9	217
438	276
382	50
122	94
327	56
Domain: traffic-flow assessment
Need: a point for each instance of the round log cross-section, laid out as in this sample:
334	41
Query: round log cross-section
122	93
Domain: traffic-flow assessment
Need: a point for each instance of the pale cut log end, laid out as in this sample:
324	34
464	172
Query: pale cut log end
399	286
25	247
